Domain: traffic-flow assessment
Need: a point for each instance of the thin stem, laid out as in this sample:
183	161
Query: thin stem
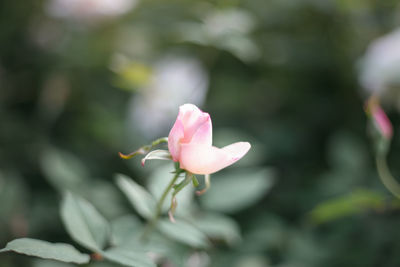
151	224
144	149
386	177
177	189
159	141
164	195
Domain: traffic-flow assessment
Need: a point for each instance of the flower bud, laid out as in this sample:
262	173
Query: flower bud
190	143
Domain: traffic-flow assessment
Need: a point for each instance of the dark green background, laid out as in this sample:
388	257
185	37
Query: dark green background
299	100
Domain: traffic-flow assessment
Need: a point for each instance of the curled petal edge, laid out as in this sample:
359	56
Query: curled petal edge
203	159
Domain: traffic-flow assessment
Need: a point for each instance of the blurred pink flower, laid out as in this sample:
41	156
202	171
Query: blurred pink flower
190	143
382	121
380	118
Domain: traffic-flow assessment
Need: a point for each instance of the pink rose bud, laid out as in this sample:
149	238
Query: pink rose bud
382	121
190	143
379	117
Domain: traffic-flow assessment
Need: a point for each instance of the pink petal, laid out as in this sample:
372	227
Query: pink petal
192	119
383	123
238	150
191	125
174	137
203	159
203	134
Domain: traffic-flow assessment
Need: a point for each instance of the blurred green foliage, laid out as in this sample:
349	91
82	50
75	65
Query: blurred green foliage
282	75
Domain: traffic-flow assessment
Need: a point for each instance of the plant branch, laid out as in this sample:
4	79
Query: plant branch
151	224
144	149
386	177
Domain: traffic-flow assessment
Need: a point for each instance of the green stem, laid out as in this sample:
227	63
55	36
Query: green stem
152	223
159	141
177	189
144	149
386	177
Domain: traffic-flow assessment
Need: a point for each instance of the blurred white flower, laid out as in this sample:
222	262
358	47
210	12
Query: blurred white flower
89	9
381	64
175	81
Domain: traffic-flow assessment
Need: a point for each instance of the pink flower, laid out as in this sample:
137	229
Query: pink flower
382	121
190	143
379	117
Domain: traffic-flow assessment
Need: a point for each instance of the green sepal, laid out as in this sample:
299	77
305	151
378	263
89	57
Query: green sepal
144	149
182	184
195	181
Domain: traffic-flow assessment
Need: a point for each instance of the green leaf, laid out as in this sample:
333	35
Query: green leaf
84	223
128	234
183	232
63	170
106	198
234	192
353	203
124	228
219	227
127	257
46	250
140	199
